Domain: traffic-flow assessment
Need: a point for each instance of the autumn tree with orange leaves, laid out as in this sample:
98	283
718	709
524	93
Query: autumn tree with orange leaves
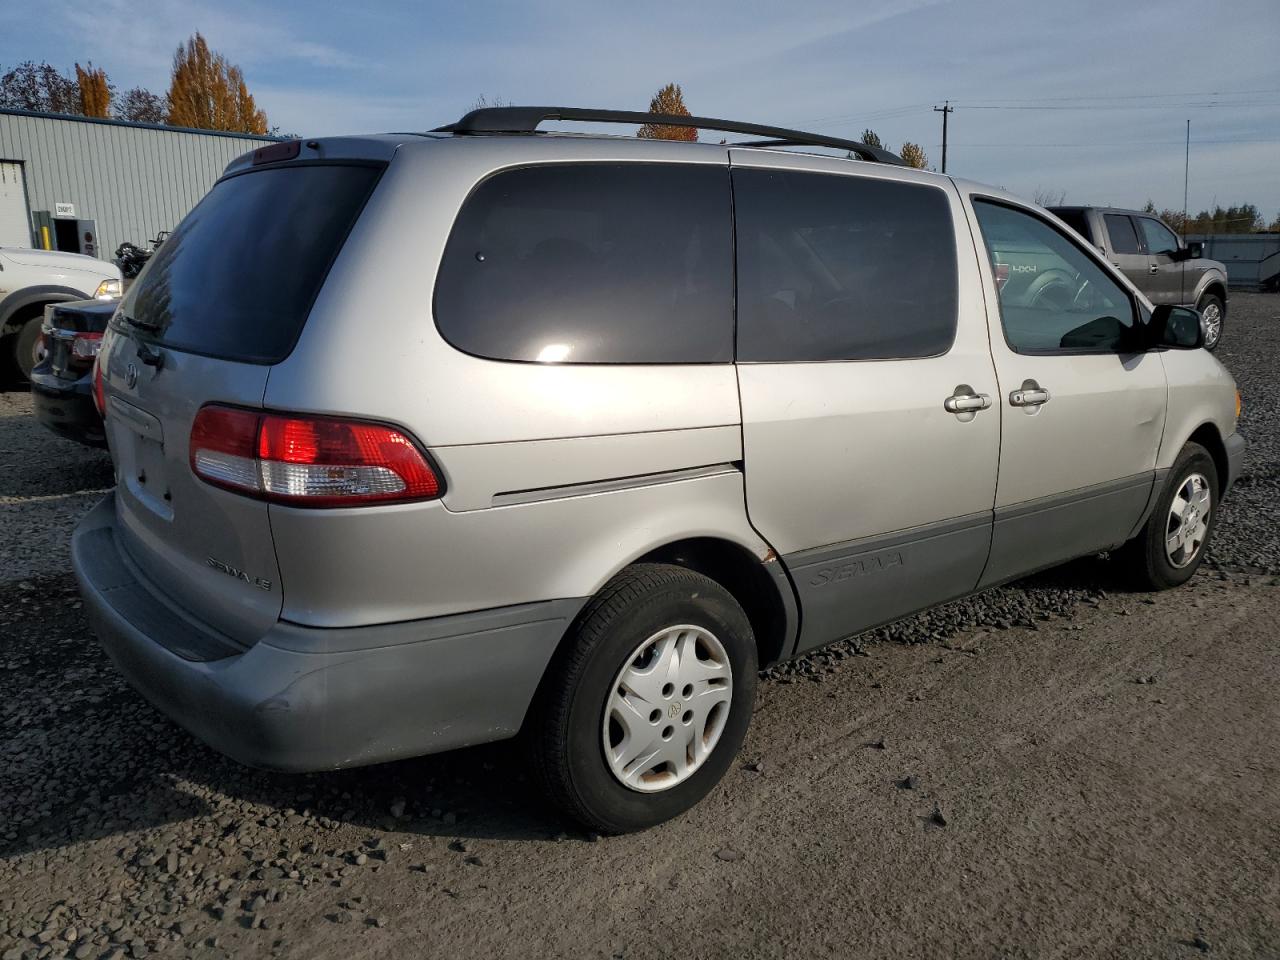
209	93
95	91
669	100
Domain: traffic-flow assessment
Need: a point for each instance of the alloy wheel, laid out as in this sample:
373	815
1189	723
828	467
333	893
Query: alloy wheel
1212	315
1188	522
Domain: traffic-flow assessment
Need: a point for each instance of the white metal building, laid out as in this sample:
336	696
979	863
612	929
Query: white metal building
85	185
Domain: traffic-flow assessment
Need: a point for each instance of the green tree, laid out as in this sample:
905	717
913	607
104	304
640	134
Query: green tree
871	138
914	156
668	100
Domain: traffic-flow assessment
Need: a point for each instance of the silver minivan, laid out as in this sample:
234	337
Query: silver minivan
428	440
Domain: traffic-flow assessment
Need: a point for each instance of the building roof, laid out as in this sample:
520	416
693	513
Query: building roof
164	128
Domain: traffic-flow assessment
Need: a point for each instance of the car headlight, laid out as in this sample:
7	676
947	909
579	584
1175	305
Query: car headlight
109	290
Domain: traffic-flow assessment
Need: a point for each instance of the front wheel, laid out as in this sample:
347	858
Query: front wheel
644	708
27	348
1214	312
1174	539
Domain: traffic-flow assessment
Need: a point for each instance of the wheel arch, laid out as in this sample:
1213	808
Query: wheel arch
17	305
1208	436
1216	286
762	587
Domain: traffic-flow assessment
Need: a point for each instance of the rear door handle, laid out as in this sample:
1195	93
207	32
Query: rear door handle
1154	268
1030	394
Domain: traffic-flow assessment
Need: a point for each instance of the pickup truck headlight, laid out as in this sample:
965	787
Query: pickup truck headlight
108	290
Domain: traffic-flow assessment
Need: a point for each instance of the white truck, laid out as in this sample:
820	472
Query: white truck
32	279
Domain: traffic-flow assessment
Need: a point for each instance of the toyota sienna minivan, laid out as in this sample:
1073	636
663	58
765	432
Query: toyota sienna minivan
428	440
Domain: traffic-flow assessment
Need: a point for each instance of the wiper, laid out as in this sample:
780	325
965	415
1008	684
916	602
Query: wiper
146	325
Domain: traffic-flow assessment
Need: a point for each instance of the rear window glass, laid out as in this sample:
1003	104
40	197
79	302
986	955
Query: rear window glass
237	278
592	263
837	267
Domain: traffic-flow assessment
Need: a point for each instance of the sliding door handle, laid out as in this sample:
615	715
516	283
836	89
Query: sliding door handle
965	402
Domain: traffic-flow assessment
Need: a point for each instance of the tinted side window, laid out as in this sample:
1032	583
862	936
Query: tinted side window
592	263
1160	239
1075	219
1053	297
1123	237
835	267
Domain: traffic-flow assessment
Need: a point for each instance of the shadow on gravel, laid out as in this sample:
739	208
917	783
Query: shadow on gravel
83	757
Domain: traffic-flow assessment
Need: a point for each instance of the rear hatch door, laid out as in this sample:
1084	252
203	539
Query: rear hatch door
223	300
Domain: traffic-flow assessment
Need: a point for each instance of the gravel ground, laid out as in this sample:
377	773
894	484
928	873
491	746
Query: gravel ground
1051	768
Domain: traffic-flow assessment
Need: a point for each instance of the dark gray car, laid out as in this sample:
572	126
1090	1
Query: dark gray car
1145	250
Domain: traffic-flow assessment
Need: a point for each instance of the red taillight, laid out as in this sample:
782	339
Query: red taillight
308	461
99	393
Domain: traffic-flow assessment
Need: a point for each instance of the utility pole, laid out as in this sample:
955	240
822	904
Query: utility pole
1186	177
945	109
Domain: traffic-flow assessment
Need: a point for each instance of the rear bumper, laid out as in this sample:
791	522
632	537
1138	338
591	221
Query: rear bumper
1235	445
66	407
305	699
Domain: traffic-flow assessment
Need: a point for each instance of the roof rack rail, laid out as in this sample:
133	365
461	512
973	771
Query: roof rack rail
527	119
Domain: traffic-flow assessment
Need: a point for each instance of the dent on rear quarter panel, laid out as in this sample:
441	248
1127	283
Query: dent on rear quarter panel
387	564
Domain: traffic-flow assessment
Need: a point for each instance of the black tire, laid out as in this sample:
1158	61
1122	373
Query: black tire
1212	299
24	347
569	711
1144	558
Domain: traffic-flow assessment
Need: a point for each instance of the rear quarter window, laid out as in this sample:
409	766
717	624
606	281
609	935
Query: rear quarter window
837	267
237	278
592	263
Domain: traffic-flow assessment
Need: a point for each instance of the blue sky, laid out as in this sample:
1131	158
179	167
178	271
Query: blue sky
1019	73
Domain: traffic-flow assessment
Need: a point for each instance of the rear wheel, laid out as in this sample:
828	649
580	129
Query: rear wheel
643	710
1173	542
1214	312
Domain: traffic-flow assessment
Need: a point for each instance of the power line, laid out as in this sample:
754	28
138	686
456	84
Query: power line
1120	143
1128	96
1127	106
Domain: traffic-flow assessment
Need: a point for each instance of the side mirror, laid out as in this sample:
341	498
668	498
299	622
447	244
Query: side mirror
1195	250
1178	327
